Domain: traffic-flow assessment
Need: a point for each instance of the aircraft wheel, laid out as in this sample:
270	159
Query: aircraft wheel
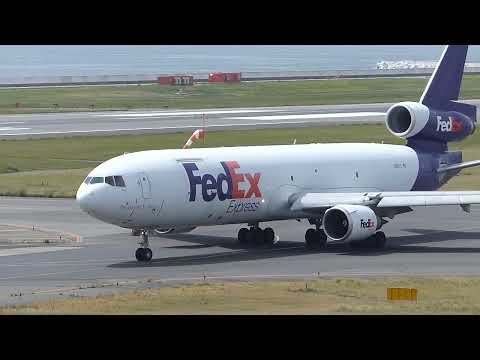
243	235
269	236
257	235
310	238
147	254
315	239
143	254
380	240
321	237
139	254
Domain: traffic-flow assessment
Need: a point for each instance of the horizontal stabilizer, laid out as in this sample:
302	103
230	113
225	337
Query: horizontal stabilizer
460	166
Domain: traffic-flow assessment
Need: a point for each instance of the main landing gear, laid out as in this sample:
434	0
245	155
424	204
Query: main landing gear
144	253
256	235
376	241
315	238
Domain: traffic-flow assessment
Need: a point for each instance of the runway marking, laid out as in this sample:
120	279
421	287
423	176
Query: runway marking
185	113
13	128
12	122
35	250
311	116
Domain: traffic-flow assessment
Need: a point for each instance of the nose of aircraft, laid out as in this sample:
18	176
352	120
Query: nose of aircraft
84	198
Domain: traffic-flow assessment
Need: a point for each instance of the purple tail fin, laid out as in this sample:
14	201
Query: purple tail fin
443	88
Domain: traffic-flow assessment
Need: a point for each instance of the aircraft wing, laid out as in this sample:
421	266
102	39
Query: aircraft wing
321	201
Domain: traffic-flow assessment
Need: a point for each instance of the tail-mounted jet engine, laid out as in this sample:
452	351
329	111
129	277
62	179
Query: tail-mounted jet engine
411	120
350	222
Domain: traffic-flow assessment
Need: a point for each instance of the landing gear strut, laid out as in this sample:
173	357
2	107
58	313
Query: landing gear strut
144	253
256	235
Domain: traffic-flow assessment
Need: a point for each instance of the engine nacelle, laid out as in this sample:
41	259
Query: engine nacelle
415	120
174	230
350	222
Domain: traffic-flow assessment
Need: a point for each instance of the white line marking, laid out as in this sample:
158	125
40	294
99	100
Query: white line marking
35	250
311	116
183	113
13	128
12	122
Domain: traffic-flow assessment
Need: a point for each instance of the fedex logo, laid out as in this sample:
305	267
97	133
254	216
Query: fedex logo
366	224
450	125
212	186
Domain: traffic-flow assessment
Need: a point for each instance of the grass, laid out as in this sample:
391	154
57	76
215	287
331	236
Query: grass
43	183
246	94
453	295
56	167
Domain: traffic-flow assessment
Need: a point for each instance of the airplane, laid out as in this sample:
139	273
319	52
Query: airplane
347	191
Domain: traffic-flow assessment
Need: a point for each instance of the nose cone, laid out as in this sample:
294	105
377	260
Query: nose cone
84	198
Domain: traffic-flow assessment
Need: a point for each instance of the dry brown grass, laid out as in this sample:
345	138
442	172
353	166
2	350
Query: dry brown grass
454	295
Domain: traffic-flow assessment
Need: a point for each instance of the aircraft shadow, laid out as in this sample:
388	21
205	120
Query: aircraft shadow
413	243
239	252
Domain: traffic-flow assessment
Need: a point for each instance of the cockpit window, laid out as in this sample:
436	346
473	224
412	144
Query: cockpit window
87	180
96	180
109	180
119	181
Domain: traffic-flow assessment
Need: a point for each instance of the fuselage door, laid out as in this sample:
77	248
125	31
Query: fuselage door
145	185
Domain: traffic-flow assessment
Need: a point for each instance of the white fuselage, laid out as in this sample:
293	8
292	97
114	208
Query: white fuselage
159	193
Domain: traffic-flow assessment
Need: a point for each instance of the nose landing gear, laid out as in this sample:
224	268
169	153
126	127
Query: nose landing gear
144	253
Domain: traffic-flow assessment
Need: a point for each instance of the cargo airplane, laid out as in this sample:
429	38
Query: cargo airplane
346	191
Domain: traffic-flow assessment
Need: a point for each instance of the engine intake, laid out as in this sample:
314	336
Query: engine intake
407	119
350	222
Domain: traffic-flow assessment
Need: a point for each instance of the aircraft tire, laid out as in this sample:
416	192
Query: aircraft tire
243	235
269	236
380	240
143	254
310	238
258	236
321	238
147	254
139	254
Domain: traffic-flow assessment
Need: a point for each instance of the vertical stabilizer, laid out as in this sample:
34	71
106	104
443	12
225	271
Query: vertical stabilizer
444	84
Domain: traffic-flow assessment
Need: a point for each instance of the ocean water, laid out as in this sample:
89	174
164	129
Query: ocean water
80	60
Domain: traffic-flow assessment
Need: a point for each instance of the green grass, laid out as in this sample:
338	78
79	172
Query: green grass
56	167
454	295
43	183
271	93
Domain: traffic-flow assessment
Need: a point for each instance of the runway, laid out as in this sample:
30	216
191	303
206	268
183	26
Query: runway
434	241
167	121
